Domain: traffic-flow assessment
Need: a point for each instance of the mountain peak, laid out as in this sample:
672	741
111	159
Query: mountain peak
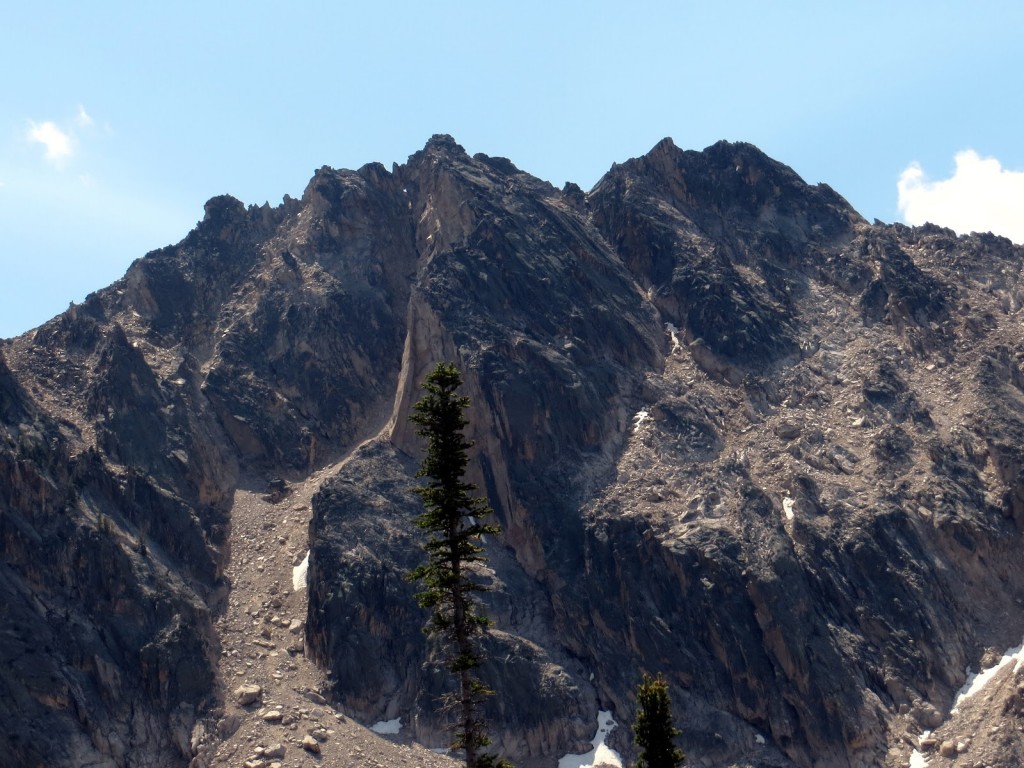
443	143
223	207
728	181
664	146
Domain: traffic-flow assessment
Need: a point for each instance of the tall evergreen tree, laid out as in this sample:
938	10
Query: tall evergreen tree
653	727
452	520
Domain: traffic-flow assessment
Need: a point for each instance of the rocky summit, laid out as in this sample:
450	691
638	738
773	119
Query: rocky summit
733	433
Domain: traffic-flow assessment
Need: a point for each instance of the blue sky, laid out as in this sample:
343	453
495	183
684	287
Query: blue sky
119	120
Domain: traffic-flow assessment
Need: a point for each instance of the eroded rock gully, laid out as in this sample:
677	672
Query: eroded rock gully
733	433
273	713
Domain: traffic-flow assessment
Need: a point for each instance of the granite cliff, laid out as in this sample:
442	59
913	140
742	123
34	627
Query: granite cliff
733	433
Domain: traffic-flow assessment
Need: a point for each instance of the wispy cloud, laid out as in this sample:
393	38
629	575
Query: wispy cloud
58	144
83	118
980	196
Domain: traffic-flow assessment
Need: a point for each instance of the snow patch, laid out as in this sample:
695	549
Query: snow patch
975	682
917	758
472	521
674	333
640	418
387	727
299	573
759	739
600	754
787	507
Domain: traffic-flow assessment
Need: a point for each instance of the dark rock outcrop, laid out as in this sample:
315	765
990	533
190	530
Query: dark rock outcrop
106	640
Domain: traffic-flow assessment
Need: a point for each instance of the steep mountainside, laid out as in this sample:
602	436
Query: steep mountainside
733	433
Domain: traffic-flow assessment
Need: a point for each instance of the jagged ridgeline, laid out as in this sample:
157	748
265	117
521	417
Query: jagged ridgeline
732	433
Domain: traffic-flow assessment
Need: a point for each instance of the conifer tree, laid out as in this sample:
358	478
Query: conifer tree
452	520
653	727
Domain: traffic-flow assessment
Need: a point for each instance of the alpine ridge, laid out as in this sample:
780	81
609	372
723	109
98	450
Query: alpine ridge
733	433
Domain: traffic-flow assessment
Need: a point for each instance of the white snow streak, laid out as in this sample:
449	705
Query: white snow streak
640	418
299	574
600	754
673	332
787	507
975	682
917	759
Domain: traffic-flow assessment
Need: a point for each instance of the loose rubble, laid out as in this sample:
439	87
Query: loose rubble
277	716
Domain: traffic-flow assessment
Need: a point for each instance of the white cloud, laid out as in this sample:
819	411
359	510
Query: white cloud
57	142
980	196
83	118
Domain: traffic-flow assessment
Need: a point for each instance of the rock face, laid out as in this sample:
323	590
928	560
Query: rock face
732	432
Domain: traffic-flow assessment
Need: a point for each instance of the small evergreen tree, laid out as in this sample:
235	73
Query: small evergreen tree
452	521
653	727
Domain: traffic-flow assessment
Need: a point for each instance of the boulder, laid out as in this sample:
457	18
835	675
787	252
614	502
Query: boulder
248	694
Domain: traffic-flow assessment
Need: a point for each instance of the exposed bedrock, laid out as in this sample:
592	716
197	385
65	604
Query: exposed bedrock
732	432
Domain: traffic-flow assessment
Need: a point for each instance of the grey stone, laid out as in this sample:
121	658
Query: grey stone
247	694
274	752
